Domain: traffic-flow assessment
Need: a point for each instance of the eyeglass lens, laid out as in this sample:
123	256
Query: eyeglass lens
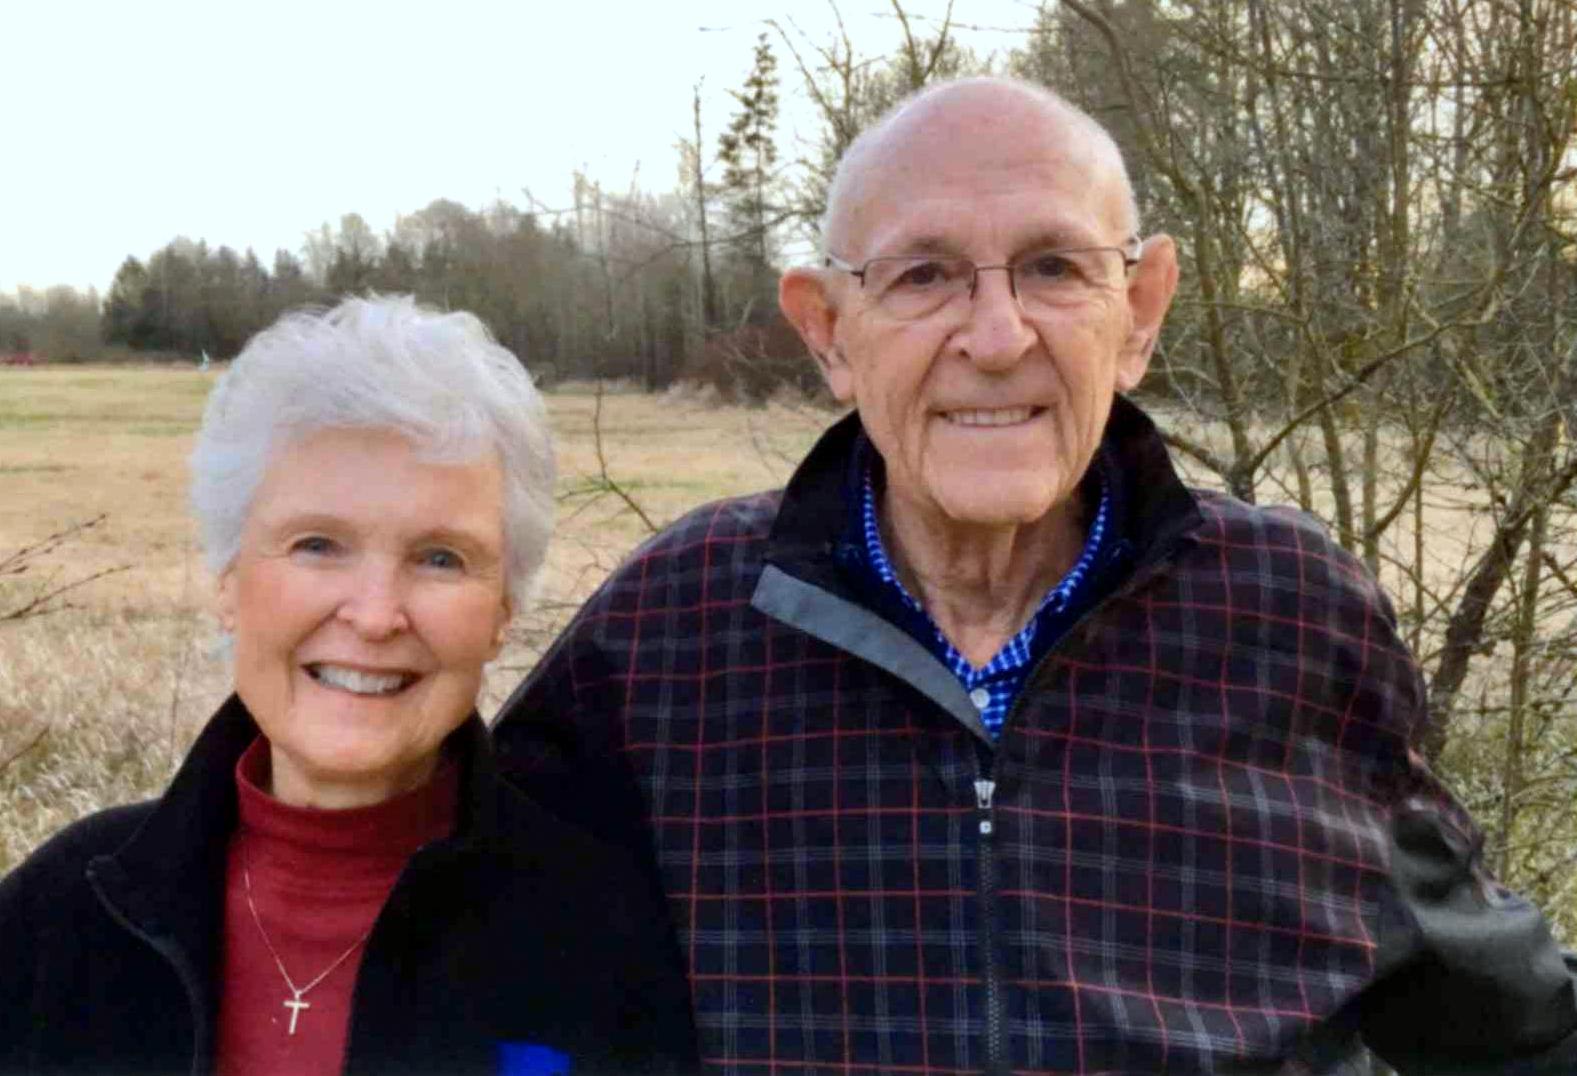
912	287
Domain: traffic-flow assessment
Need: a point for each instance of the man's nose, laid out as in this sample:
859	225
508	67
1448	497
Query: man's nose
996	334
374	602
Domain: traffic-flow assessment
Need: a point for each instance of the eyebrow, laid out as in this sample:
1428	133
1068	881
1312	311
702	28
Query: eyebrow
284	521
1043	238
465	540
927	244
468	541
1059	236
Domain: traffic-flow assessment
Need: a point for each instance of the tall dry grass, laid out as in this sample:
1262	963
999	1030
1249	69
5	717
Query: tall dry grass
100	699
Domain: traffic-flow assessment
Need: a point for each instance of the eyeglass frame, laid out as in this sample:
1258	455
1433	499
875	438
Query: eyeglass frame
1131	252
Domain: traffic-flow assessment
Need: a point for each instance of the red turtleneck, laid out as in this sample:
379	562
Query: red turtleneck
318	880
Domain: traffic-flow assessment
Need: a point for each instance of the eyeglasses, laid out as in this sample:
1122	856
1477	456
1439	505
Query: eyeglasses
912	286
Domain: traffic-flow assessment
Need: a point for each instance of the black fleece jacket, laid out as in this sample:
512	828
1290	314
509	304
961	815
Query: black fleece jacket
516	931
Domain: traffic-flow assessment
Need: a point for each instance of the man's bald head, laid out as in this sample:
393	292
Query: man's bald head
913	137
985	395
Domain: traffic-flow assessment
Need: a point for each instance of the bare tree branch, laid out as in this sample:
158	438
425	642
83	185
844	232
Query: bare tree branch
608	481
12	757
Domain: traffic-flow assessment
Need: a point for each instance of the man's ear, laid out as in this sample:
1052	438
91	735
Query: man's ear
1150	290
804	295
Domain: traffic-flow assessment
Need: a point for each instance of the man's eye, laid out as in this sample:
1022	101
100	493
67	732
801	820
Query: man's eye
927	274
447	559
1046	267
313	545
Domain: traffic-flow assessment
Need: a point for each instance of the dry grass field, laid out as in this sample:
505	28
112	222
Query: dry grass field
99	700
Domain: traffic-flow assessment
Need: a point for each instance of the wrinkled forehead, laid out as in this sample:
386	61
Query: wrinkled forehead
1024	174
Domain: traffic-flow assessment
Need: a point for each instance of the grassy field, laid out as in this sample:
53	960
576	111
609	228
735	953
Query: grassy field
99	700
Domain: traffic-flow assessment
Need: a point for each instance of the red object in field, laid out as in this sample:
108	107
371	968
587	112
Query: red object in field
19	358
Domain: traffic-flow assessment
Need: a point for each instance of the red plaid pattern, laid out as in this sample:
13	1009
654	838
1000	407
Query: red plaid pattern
1188	856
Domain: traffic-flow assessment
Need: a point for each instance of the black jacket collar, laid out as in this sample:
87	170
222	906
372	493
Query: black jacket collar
148	883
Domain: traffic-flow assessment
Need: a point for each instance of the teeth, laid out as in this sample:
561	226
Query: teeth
354	680
1002	416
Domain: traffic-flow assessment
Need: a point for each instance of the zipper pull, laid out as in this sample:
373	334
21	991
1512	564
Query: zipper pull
984	789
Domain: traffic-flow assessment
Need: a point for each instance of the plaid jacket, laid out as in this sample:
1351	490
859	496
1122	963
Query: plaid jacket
1202	844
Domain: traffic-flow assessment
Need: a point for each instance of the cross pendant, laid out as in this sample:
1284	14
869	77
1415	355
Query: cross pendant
295	1005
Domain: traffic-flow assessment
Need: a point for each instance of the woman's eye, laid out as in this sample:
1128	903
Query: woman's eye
313	545
442	558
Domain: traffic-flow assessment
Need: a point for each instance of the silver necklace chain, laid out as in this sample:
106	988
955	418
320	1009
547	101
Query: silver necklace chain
295	1004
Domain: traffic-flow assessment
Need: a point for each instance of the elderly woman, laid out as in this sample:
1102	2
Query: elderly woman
336	879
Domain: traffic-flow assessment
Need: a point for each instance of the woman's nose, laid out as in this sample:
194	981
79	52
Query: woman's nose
374	603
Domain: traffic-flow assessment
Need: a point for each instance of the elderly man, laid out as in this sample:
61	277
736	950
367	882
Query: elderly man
988	746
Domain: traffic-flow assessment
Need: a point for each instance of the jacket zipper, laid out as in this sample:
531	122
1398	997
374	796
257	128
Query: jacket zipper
996	1041
176	961
985	813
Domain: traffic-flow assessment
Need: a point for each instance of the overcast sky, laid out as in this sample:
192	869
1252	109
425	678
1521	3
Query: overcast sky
129	123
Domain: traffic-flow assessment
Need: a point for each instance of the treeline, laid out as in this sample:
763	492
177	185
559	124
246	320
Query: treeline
535	284
654	287
59	323
605	289
601	290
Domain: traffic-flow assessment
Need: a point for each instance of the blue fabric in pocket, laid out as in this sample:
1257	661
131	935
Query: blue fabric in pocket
530	1059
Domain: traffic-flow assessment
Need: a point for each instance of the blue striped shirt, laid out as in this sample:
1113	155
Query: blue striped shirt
992	687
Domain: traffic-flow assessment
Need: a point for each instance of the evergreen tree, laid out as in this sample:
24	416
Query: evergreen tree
123	321
749	154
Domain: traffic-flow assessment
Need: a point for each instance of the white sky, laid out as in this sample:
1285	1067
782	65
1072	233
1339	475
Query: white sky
128	123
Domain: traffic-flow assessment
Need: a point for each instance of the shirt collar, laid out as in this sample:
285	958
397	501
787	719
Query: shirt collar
1068	592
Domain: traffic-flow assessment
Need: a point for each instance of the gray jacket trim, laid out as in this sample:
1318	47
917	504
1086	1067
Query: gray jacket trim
850	627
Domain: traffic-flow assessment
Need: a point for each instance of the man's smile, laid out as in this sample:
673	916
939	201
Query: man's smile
991	416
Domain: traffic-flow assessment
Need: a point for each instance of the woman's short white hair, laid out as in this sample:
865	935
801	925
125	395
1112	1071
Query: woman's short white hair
387	363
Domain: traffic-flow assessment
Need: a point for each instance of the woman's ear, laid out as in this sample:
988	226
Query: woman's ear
506	613
225	606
